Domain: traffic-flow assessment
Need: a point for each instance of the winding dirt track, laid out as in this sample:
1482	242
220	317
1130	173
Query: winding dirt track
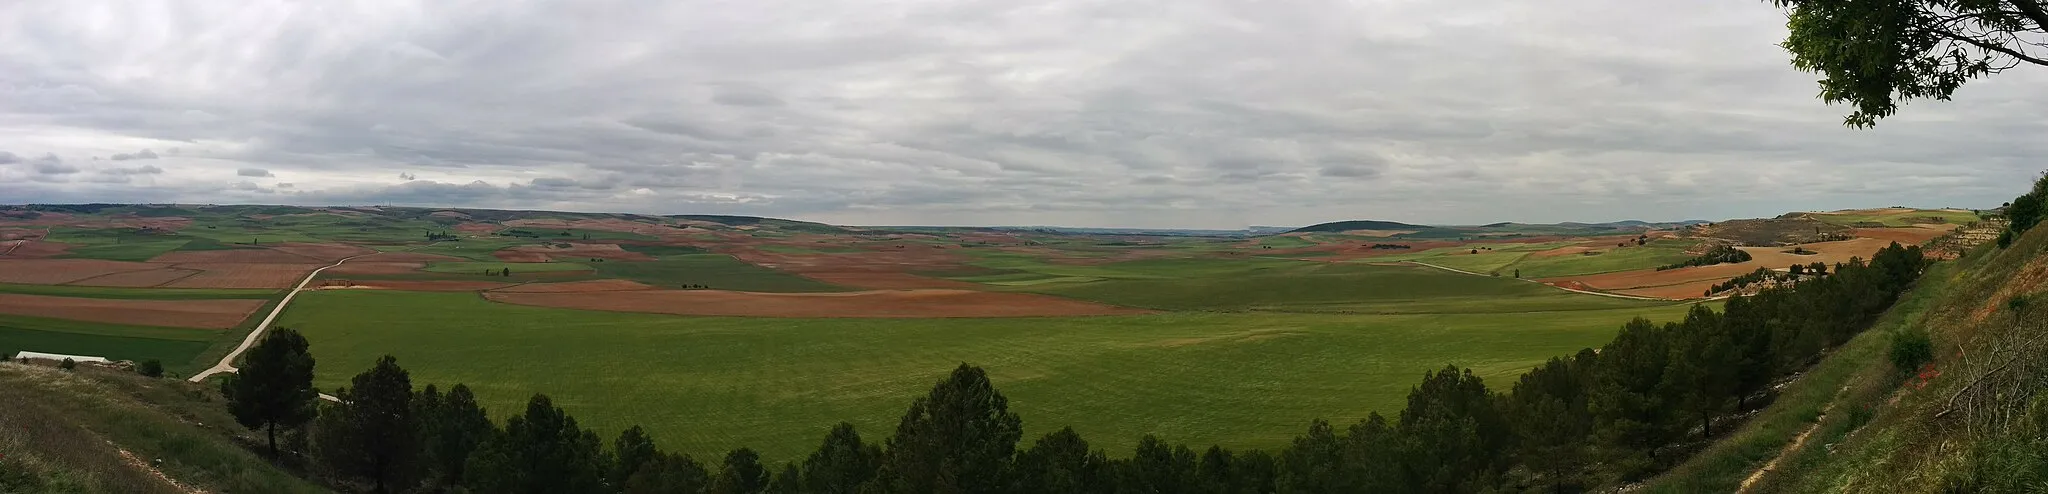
227	362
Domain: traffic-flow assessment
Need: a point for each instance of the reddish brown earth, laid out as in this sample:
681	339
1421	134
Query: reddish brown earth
208	314
324	252
244	275
1694	289
607	285
59	271
887	281
477	228
574	252
406	257
233	255
1914	235
879	303
138	279
32	249
415	285
359	267
519	256
1683	280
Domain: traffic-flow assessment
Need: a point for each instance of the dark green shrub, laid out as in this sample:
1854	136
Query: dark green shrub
67	364
1911	349
151	368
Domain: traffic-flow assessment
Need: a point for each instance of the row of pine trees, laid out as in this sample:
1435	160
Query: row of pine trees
1600	417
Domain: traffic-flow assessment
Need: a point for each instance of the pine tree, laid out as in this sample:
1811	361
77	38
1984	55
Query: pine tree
668	474
451	428
372	433
274	387
841	464
632	451
1312	462
742	473
1061	462
541	451
1626	400
959	438
1453	430
1156	467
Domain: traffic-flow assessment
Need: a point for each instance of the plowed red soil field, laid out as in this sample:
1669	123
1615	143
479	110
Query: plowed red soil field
1770	257
880	303
360	267
31	249
418	285
577	287
244	275
233	255
136	279
324	252
59	271
208	314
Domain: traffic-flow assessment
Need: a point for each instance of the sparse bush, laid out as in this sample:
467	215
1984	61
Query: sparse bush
67	364
151	368
1723	253
1911	348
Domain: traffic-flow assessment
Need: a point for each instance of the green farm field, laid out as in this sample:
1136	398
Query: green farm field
709	384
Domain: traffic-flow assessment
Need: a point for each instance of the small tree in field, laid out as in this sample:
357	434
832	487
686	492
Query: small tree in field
67	364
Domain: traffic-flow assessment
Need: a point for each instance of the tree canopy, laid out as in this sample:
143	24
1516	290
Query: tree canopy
1876	54
274	387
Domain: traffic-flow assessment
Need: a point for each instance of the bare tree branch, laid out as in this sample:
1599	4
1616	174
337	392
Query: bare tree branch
1993	47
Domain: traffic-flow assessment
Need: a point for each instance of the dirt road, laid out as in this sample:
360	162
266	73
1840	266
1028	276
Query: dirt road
227	363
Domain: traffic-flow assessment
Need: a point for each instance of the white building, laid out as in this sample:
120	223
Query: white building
59	357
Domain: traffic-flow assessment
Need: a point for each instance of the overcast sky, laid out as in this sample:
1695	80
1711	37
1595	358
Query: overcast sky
1150	113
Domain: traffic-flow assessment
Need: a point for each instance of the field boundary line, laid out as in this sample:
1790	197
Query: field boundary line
1573	290
227	362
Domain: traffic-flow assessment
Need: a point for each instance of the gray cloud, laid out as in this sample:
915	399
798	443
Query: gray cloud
7	158
138	155
1143	113
139	170
50	164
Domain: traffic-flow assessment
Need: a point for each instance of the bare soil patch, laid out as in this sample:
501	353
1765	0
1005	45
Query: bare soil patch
578	252
1913	235
879	303
233	255
138	279
207	314
244	275
60	271
324	252
509	255
477	228
886	281
413	285
359	267
32	249
1669	281
1696	289
607	285
405	257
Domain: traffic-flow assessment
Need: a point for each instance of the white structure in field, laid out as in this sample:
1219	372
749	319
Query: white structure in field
58	357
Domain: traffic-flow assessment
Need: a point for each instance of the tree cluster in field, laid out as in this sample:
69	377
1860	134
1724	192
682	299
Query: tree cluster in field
1599	417
441	235
2024	212
1722	253
1391	246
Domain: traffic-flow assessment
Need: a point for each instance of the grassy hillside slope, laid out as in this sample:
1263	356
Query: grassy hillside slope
1973	420
94	430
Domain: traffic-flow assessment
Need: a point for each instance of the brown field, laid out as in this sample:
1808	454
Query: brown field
242	255
359	267
885	281
879	303
477	228
32	249
324	252
405	257
138	279
244	275
575	252
1670	281
520	256
607	285
1694	289
60	271
413	285
1914	235
206	314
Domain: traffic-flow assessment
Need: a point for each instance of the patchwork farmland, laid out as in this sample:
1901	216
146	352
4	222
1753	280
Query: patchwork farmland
715	332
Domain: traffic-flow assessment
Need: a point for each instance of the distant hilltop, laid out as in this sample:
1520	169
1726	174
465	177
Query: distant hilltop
1345	226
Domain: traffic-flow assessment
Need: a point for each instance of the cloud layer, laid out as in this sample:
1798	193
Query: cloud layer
1201	113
